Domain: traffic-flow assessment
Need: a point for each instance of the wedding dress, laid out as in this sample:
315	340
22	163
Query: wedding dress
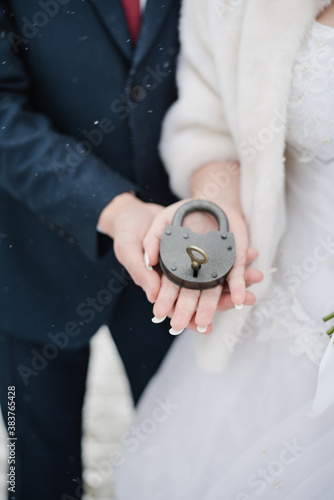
251	432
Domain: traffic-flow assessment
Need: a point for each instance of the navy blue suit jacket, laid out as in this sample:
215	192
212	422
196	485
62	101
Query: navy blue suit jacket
80	120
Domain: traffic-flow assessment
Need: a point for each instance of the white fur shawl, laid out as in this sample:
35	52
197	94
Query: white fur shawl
234	81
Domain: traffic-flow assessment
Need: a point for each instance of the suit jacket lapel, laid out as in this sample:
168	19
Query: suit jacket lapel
111	15
154	16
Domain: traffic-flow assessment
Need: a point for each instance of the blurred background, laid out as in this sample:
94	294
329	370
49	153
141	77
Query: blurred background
107	414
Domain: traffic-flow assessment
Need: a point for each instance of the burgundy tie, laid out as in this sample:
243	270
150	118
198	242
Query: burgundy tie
132	14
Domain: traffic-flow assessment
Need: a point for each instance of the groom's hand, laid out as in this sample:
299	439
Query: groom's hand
126	219
135	225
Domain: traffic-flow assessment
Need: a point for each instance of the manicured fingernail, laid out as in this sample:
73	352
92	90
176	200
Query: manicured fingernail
158	320
202	329
239	307
147	262
175	332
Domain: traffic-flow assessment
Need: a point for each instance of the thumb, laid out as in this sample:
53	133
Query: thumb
153	236
152	239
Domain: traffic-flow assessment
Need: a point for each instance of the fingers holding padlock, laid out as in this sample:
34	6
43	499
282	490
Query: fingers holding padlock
177	306
192	324
185	309
240	278
153	236
206	308
251	255
194	327
236	279
225	301
165	302
189	307
251	277
243	257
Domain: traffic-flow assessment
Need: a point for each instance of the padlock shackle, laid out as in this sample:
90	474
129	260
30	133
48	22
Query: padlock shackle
201	206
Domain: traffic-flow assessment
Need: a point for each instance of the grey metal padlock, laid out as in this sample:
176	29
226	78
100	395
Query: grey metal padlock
197	261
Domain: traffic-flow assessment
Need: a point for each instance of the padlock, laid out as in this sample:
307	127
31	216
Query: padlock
197	261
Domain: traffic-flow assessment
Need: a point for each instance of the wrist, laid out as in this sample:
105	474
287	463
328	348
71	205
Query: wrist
218	182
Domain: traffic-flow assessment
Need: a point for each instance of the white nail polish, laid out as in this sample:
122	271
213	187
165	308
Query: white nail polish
239	307
147	262
158	320
175	332
202	329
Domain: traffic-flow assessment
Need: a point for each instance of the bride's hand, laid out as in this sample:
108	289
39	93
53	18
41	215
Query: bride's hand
193	308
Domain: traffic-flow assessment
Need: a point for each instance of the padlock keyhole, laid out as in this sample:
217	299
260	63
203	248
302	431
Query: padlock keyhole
197	260
196	267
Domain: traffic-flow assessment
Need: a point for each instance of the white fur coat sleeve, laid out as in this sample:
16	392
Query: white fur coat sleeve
195	130
234	77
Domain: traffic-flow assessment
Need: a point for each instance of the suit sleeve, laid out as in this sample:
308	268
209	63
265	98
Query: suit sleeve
195	131
34	165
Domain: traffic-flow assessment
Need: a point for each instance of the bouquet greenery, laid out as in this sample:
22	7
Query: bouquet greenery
327	318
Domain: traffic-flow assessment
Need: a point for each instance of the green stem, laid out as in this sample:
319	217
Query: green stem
327	318
330	331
